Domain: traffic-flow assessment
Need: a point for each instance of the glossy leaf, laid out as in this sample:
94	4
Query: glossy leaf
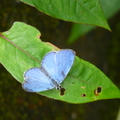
21	49
79	11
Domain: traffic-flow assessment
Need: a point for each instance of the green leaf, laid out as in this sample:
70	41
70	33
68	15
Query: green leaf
21	49
110	7
80	11
77	31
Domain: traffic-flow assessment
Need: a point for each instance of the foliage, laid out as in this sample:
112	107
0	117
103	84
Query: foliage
109	7
24	50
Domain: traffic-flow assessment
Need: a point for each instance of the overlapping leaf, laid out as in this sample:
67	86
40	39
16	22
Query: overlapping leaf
79	11
109	7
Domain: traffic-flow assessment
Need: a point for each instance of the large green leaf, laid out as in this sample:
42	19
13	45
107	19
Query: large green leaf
110	7
21	49
80	11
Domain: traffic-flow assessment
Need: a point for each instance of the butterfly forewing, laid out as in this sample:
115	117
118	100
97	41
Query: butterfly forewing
59	65
64	62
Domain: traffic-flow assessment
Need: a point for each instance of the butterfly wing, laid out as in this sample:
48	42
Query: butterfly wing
58	64
36	81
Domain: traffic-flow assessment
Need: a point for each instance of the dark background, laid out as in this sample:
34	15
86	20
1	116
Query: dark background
100	47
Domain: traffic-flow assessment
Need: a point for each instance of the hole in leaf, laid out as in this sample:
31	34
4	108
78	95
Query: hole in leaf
83	95
62	91
98	91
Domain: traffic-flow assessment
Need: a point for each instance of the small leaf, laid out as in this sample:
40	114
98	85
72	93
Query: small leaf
79	11
21	49
77	31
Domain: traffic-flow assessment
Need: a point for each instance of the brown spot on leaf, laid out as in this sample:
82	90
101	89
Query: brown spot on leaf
39	36
82	87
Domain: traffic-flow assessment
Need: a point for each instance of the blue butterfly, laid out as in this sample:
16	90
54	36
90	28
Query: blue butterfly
54	68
